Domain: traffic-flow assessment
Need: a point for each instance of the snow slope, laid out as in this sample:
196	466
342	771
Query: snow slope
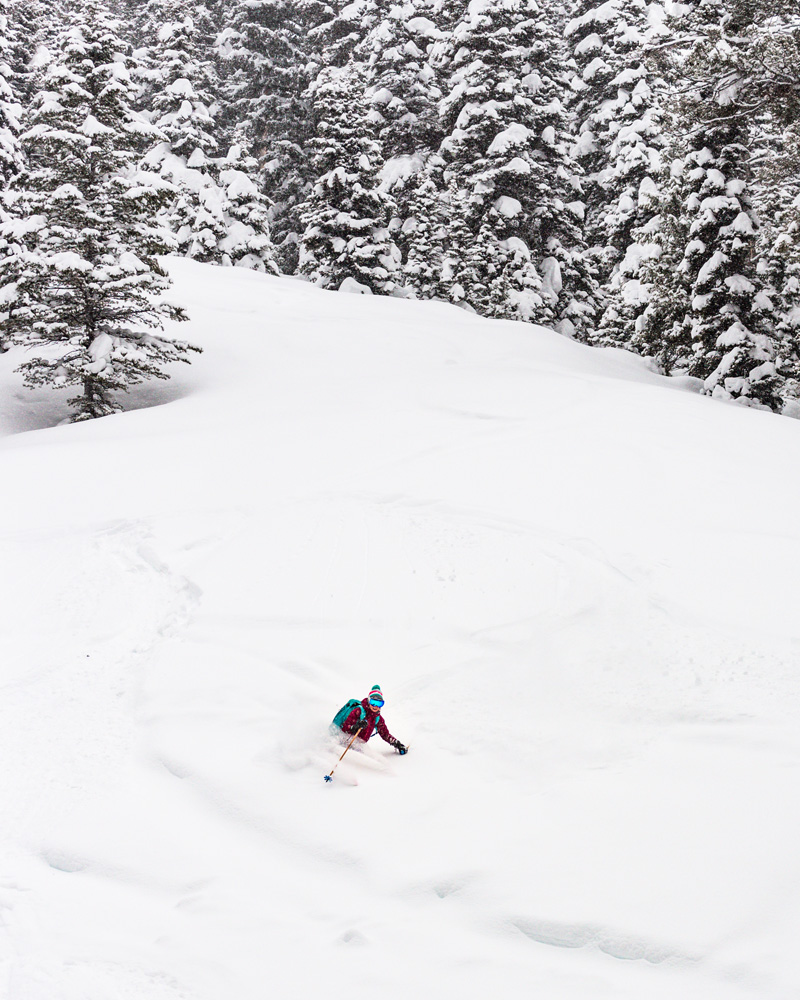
576	585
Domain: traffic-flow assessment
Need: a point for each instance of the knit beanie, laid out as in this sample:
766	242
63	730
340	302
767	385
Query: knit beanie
376	693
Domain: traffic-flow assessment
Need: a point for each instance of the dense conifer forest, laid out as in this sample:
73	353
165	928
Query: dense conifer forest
624	172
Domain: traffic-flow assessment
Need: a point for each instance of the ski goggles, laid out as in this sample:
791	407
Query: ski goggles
376	702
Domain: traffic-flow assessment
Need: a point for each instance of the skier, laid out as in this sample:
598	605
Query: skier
364	718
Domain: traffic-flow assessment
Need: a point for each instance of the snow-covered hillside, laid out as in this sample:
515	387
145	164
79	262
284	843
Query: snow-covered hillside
576	584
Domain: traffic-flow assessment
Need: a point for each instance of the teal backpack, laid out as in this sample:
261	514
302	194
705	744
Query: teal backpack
346	709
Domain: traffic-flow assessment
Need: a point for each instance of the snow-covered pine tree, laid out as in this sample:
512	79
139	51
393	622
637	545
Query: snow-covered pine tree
341	28
616	102
770	63
182	109
618	131
771	67
507	150
424	232
247	241
84	268
267	50
779	263
10	109
403	95
402	88
591	34
190	43
346	214
462	279
216	220
707	271
179	43
31	28
661	330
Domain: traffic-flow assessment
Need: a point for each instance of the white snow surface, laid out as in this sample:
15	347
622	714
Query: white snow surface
576	584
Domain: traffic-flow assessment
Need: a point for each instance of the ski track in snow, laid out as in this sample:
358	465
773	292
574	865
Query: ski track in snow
599	798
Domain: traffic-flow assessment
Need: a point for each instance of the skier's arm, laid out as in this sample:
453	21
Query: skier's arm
383	732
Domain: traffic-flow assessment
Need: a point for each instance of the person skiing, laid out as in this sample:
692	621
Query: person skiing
365	719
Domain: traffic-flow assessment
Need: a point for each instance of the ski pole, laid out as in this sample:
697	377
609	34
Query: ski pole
329	777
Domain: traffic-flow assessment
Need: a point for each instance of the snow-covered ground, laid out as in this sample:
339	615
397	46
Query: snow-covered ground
575	582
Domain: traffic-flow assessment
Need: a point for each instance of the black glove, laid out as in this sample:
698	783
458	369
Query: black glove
400	748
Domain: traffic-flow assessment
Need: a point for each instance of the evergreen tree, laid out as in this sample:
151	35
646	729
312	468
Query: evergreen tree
403	94
10	111
33	26
247	241
660	310
83	274
507	150
182	109
709	304
770	65
346	215
402	87
267	55
216	219
183	104
618	122
616	101
342	28
10	108
778	249
424	233
145	19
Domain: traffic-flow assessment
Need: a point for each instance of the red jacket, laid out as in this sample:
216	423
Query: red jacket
372	723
